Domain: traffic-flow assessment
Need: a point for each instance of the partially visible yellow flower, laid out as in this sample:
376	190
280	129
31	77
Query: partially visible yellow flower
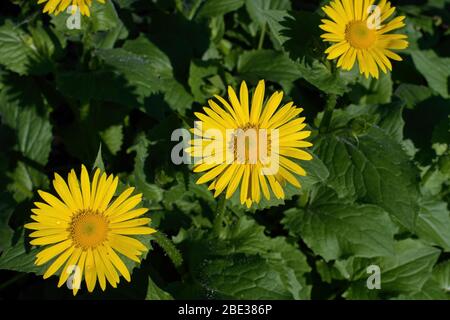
57	6
250	145
85	228
360	30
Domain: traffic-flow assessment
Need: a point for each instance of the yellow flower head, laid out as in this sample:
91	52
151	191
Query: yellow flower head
84	229
57	6
359	30
252	146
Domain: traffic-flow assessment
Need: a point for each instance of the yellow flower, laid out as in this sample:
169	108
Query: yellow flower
359	30
253	146
57	6
84	229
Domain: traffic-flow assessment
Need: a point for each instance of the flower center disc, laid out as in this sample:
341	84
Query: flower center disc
250	145
359	35
88	229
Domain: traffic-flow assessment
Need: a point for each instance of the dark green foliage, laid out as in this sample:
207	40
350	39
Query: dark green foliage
377	191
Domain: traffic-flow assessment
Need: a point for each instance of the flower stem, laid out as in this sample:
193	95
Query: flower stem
193	10
220	213
167	245
328	113
261	37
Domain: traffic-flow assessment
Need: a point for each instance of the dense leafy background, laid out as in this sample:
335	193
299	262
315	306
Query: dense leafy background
378	191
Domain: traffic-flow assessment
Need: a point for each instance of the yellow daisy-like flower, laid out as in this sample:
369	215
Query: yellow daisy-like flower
58	6
253	146
359	30
84	229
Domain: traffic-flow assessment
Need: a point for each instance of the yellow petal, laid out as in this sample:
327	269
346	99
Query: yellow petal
77	280
50	239
120	199
58	262
49	253
90	274
63	191
85	187
117	262
243	94
288	164
130	223
133	231
69	268
244	185
257	101
129	215
100	269
234	183
75	189
110	271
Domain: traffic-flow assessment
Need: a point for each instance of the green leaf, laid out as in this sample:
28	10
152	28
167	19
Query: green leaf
155	293
22	109
358	170
125	3
242	277
441	274
106	26
392	121
270	12
6	210
434	69
98	163
213	8
436	288
258	9
203	77
267	64
303	33
103	16
359	119
322	77
433	223
405	272
144	75
98	85
22	53
413	94
372	91
21	258
151	192
247	264
149	71
335	230
306	48
113	138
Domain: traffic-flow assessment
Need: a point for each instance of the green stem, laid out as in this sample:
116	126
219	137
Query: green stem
328	113
303	200
428	174
194	9
261	37
220	213
167	245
